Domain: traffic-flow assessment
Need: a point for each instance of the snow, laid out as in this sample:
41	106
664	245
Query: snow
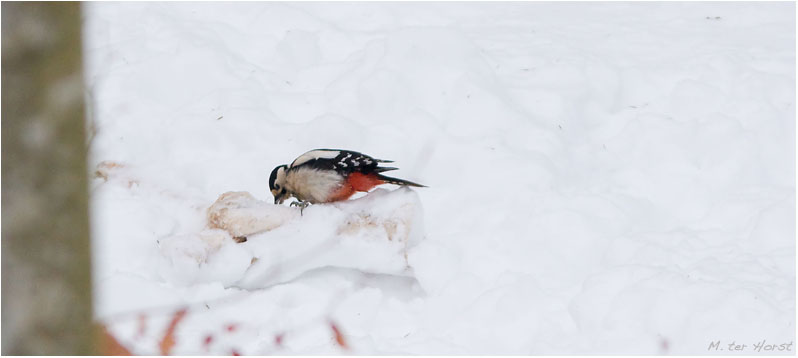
604	178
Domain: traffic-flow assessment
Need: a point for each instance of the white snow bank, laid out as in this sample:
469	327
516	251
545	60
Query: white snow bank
604	178
371	234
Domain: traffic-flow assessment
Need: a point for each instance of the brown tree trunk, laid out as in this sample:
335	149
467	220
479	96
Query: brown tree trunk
46	282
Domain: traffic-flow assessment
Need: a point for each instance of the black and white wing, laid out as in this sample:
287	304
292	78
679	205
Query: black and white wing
342	161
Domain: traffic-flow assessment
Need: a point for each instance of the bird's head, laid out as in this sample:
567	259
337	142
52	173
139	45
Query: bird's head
277	184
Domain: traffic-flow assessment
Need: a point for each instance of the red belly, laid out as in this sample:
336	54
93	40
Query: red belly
354	183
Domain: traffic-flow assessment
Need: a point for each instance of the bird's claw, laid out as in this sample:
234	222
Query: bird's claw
302	205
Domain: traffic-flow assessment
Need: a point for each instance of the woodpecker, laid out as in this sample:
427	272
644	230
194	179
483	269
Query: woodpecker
329	175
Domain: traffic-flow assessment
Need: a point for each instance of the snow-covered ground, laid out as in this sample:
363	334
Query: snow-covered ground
603	177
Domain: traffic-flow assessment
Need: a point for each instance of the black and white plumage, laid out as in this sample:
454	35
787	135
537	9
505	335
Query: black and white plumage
339	160
327	175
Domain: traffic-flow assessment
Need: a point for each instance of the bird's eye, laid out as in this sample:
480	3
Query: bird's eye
277	186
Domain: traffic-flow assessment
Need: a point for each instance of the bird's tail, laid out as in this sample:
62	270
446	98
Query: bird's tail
383	169
396	181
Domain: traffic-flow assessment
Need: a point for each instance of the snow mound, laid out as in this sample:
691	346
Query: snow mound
607	178
275	244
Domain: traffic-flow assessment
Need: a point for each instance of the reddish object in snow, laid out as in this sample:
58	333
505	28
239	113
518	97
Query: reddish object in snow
168	340
142	325
339	338
207	341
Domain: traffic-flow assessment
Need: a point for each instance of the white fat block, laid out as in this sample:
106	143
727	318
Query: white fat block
240	214
371	234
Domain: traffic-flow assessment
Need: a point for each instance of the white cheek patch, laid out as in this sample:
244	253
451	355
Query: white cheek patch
315	154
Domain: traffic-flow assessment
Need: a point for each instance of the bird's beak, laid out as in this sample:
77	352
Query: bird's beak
279	198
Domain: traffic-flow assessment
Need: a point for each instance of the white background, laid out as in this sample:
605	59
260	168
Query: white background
603	177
